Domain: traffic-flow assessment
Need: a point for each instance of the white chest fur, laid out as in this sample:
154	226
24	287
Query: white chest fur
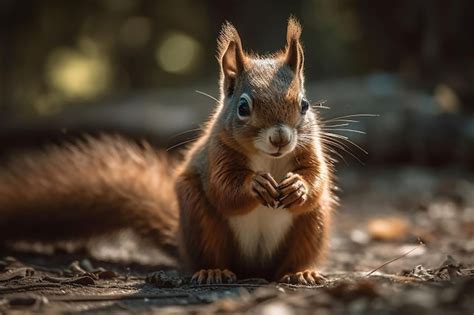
261	231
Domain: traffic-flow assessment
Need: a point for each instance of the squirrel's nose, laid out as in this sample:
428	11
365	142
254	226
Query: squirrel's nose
280	138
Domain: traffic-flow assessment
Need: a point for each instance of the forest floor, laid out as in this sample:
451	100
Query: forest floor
384	214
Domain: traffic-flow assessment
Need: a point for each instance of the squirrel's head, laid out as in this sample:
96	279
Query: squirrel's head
264	105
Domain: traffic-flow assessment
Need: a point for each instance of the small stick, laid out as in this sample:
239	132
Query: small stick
394	259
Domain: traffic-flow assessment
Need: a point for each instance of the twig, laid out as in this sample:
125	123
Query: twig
394	259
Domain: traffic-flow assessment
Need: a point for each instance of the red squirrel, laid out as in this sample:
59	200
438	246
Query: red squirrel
252	197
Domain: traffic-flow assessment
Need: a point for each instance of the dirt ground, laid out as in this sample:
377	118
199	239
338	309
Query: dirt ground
384	214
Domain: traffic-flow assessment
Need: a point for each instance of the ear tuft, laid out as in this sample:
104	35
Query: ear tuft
227	35
293	31
229	50
230	55
294	49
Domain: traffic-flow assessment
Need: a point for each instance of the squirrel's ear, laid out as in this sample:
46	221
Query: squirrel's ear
231	56
294	55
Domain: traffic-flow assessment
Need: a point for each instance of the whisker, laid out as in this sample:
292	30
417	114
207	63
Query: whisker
181	143
353	115
338	154
344	148
334	135
337	125
335	140
347	130
341	120
320	104
185	132
329	143
208	95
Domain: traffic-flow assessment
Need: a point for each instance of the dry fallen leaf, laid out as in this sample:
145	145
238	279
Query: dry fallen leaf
388	228
421	273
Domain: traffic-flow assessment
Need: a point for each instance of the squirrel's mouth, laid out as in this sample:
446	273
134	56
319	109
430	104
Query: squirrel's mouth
280	152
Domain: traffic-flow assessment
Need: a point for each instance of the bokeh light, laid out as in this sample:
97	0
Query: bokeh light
78	73
178	53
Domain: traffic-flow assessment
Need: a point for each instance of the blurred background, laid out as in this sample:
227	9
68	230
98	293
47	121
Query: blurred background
132	66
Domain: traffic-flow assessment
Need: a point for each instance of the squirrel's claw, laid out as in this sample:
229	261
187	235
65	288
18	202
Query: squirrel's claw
307	277
213	276
265	190
296	197
293	191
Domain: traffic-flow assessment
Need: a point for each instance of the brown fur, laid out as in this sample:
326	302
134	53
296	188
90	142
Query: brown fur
91	187
216	182
97	185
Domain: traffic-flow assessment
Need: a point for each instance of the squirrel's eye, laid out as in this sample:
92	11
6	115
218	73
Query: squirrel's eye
244	107
304	106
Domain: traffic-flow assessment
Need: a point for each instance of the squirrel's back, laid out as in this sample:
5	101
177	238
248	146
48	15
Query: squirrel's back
90	187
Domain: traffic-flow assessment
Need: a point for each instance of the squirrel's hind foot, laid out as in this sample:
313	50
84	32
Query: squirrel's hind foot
307	277
213	276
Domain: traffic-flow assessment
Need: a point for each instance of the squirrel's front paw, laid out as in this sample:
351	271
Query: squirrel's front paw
293	191
265	190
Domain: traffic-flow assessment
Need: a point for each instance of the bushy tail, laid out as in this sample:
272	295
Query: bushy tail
93	186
